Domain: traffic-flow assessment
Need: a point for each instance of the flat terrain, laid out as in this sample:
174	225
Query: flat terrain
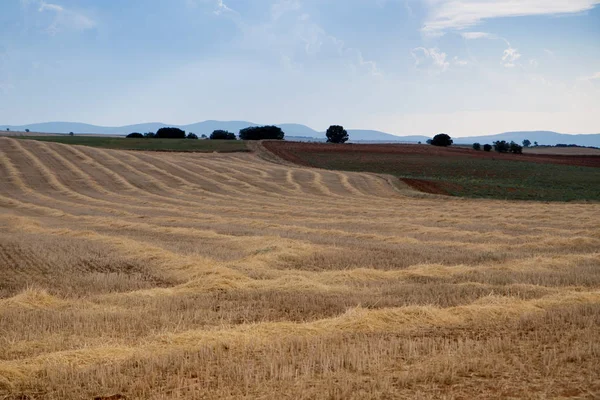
576	151
178	145
459	171
220	276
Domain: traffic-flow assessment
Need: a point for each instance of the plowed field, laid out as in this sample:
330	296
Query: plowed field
458	171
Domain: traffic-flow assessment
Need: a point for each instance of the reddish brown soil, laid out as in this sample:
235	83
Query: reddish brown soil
425	186
288	150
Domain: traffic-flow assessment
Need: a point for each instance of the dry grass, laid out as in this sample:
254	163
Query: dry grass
161	276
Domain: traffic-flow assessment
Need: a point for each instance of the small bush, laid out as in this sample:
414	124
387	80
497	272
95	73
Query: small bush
442	140
261	133
476	146
487	147
135	135
222	135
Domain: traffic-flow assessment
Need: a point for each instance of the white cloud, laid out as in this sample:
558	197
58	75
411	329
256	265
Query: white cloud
510	56
477	35
279	8
447	15
64	18
459	62
593	77
432	59
219	7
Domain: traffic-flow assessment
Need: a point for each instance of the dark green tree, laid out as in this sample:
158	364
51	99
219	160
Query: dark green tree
149	135
261	133
71	134
501	146
515	148
337	134
487	147
476	146
27	130
222	135
191	136
526	143
442	139
170	133
135	135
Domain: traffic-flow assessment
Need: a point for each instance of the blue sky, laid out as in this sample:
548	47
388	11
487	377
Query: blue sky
465	67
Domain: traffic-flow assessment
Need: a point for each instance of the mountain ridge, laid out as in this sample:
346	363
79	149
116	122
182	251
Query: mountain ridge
306	133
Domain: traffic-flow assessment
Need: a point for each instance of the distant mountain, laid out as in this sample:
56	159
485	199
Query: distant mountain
545	138
303	132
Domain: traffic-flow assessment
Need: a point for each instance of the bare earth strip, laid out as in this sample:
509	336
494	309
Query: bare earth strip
201	276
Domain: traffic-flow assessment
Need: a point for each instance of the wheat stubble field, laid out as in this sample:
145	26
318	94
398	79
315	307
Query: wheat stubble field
205	276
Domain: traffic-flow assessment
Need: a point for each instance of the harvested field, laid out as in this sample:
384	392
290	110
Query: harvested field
154	144
146	275
458	171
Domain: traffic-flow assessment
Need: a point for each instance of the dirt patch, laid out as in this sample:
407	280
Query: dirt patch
426	186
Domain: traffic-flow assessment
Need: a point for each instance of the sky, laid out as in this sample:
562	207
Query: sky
463	67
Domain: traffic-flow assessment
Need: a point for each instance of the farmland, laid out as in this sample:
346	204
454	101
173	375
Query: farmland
178	145
459	171
156	275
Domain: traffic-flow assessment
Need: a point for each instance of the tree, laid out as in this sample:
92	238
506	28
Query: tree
501	146
203	136
220	134
135	135
27	130
261	132
535	144
487	147
71	134
337	134
170	133
442	140
191	136
429	141
149	135
476	146
7	129
526	143
515	148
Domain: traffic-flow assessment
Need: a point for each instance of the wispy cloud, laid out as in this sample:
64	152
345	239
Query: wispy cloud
477	35
431	59
447	15
64	18
218	6
593	77
510	56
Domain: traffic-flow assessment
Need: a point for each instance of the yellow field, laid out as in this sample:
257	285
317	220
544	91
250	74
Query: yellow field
201	276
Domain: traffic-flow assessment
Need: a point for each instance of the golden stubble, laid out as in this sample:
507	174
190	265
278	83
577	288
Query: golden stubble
161	275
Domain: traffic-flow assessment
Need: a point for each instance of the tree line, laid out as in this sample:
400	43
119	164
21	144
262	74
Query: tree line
335	134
